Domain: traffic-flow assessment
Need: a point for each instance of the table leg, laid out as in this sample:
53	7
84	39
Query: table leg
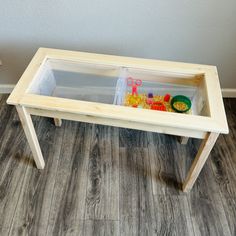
31	136
57	122
199	161
183	140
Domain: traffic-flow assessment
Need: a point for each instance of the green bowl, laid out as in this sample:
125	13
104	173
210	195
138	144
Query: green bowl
183	99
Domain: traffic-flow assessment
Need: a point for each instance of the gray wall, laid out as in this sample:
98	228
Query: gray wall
181	30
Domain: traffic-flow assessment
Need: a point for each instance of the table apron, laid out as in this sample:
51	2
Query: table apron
117	123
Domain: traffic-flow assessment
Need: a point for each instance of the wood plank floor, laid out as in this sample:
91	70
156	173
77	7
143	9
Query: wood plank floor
101	180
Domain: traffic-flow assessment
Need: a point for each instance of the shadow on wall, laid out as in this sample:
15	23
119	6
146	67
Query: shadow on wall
15	58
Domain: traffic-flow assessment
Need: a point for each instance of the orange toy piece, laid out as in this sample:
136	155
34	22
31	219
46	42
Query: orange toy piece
159	106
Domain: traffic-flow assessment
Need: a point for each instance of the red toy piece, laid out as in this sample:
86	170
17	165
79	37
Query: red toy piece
134	90
158	106
167	97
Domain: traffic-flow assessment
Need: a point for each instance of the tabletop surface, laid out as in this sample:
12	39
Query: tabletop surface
206	75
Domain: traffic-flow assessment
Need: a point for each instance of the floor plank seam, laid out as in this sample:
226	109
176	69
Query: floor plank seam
221	196
191	218
54	185
231	167
87	168
11	225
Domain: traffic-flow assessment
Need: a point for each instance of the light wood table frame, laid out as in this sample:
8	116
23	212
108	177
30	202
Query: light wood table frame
206	126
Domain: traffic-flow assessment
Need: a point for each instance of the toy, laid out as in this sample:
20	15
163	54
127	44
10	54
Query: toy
150	95
180	103
134	83
158	106
167	97
149	100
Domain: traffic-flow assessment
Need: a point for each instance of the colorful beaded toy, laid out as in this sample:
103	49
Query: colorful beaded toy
180	103
150	101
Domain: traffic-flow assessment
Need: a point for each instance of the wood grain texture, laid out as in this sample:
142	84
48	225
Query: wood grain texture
137	210
7	135
166	159
183	140
14	157
102	201
229	205
208	215
173	215
101	227
11	181
202	155
68	201
31	215
206	183
107	181
224	161
31	136
58	122
170	123
133	138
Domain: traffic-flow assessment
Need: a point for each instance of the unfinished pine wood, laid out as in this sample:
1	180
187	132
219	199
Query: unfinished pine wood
183	140
206	177
118	123
29	102
123	114
216	122
31	136
199	160
57	122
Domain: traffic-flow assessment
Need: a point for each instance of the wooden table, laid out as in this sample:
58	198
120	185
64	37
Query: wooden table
33	95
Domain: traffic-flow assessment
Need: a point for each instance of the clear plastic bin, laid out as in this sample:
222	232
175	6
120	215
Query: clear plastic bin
79	81
108	83
149	85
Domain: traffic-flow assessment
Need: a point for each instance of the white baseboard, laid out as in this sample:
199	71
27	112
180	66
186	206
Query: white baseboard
226	92
6	88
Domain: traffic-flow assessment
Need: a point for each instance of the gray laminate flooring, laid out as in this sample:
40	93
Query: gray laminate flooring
101	180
